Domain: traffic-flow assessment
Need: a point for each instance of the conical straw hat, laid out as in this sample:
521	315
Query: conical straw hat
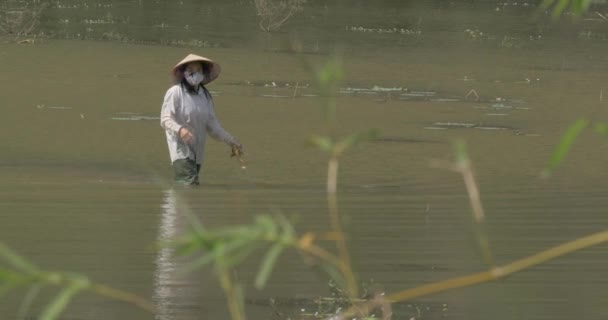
213	73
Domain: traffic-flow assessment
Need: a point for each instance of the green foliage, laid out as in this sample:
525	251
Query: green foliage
227	247
578	7
602	128
330	75
460	150
323	143
57	305
17	272
353	140
336	149
565	144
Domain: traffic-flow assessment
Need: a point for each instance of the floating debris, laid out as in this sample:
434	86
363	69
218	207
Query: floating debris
273	96
472	92
387	30
492	128
41	106
465	125
497	114
466	78
269	84
135	118
455	124
446	100
500	106
419	94
60	108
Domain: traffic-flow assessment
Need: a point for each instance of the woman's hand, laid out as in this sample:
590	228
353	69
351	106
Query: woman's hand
185	135
237	149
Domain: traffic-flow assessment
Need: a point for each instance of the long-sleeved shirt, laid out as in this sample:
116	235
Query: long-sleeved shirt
194	112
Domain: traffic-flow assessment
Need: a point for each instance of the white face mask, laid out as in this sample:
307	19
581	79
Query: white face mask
194	78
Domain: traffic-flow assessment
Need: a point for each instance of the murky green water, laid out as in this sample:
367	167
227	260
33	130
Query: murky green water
84	162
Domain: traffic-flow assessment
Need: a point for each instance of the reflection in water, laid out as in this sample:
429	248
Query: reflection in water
165	264
172	292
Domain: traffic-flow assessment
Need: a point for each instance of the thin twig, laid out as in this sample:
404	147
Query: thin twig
120	295
295	91
495	273
472	190
336	226
234	306
470	93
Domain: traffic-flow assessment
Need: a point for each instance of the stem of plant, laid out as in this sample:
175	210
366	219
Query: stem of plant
493	273
463	165
120	295
234	305
336	225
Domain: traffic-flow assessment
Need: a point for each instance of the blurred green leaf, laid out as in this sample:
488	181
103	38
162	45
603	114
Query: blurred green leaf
559	6
16	261
565	144
239	295
330	75
334	274
10	280
354	139
602	128
55	307
242	254
580	6
267	225
5	275
268	264
28	300
188	244
323	143
6	287
223	250
460	149
287	227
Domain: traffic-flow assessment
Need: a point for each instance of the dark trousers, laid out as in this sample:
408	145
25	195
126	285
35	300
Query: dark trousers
186	171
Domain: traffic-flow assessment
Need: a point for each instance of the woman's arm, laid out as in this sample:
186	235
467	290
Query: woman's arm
215	130
169	109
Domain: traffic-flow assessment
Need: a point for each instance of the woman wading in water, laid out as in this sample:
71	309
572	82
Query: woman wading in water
187	115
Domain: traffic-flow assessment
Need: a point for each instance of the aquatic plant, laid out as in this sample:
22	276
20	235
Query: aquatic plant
18	273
